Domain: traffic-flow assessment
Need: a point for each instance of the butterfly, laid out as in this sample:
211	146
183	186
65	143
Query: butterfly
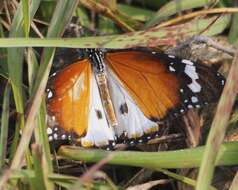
127	93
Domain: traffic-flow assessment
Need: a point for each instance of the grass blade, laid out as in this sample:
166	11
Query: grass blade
15	65
174	7
188	158
38	180
233	33
15	55
40	130
218	128
234	183
183	179
150	38
61	17
4	125
3	53
43	140
32	65
138	14
26	17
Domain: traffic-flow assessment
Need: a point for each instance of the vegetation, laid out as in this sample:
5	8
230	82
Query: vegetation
30	32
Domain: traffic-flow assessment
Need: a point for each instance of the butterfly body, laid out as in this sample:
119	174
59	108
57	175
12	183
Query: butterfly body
127	93
96	58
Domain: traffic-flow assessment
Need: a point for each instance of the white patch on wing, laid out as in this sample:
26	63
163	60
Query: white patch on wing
171	69
98	132
55	136
49	131
50	138
186	61
133	123
78	86
171	56
194	99
50	94
222	82
63	137
190	70
195	87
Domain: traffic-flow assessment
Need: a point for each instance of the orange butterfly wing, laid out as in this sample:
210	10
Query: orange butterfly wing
154	89
71	93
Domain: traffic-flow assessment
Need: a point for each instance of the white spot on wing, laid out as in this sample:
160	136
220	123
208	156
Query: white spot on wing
53	118
191	72
171	69
50	94
55	136
222	82
171	56
63	137
186	61
49	131
194	99
50	138
195	87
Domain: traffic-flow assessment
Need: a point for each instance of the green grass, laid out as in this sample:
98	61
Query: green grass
29	165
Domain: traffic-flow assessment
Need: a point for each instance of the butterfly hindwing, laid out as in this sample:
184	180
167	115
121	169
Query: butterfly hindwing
99	132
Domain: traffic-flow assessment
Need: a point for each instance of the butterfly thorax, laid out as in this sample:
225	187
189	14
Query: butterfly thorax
96	57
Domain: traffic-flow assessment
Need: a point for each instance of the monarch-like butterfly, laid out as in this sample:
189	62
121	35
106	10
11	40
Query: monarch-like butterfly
125	92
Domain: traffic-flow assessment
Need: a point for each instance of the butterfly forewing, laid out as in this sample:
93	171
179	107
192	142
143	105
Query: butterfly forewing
146	78
70	102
